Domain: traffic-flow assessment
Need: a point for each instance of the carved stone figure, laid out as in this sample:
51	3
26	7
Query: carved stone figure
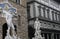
37	26
8	12
8	17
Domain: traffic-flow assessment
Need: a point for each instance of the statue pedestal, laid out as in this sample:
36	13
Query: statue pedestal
38	37
8	37
37	26
11	37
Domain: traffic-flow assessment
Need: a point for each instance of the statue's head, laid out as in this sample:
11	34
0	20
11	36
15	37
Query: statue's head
12	10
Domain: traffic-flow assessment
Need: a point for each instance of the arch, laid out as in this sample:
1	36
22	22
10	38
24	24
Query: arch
4	28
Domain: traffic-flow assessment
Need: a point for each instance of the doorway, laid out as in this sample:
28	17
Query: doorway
4	29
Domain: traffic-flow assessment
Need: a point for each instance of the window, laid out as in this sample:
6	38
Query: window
28	10
32	10
46	13
42	11
13	0
57	17
53	15
39	10
17	1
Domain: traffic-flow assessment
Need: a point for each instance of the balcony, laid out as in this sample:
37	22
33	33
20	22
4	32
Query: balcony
49	14
46	13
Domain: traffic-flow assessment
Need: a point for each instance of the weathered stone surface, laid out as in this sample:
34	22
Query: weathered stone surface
21	22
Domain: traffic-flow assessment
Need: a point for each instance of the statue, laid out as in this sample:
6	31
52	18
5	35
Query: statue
8	17
37	26
9	12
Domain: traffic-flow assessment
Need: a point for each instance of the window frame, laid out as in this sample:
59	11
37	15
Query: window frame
16	1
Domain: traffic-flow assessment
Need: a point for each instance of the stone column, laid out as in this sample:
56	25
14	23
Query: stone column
59	17
53	15
46	14
39	11
47	36
48	11
43	36
56	36
44	8
59	36
56	15
42	13
52	36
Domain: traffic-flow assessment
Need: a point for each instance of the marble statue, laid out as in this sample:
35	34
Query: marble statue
8	13
8	17
37	26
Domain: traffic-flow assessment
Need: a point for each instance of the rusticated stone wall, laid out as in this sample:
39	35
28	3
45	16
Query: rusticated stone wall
21	20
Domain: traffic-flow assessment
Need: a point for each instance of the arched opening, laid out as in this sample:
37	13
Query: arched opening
31	32
4	29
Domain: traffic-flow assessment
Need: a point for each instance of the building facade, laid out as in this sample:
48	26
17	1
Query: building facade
48	12
20	21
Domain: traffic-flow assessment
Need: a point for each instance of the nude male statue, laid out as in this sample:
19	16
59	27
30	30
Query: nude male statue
8	15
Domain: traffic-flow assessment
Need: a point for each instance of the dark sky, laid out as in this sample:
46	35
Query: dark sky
57	1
